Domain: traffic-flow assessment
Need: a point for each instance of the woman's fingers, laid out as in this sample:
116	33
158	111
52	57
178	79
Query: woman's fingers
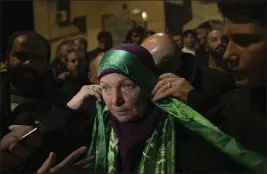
49	162
98	96
97	92
84	162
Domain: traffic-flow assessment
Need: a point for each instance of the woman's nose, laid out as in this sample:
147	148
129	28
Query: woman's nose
117	98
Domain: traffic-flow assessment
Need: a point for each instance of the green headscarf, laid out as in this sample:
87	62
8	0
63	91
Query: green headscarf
159	153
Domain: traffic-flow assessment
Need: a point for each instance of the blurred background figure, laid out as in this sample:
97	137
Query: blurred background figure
178	40
202	51
135	35
80	44
74	61
202	32
76	73
138	35
189	42
105	42
188	54
58	64
93	65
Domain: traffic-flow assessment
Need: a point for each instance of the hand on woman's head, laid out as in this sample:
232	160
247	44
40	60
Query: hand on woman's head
170	85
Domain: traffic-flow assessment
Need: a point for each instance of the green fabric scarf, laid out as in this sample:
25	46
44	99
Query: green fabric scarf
158	155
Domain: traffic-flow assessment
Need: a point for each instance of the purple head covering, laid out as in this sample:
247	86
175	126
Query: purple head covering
138	52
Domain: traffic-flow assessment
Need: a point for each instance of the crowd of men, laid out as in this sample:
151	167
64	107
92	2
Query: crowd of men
220	74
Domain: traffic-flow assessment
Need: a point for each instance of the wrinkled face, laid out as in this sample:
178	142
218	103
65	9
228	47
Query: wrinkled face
245	52
189	40
202	34
177	40
28	62
93	67
73	62
123	97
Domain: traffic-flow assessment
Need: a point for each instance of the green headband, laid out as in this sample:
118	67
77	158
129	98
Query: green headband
128	64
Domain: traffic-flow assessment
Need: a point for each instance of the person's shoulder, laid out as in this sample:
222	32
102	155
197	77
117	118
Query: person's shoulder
237	95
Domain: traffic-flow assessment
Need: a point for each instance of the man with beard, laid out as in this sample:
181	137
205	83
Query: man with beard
240	113
216	47
216	78
28	68
32	81
168	59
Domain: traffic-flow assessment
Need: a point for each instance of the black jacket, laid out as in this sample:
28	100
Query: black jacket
238	113
5	119
64	132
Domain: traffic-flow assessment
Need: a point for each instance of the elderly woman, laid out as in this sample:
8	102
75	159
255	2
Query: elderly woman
134	134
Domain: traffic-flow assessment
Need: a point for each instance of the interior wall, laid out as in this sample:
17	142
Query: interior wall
45	18
202	12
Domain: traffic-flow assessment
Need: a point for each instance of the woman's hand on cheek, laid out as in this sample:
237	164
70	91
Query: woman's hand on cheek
82	96
171	85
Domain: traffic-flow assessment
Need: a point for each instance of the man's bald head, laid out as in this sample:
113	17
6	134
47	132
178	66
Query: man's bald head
165	52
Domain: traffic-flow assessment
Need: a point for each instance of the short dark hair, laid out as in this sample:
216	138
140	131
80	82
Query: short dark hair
205	25
82	41
139	30
31	35
242	11
187	32
103	34
175	34
64	42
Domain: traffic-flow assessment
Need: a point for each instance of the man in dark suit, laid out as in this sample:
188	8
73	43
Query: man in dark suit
240	113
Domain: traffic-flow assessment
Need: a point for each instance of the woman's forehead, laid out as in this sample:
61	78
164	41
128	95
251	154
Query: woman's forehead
114	78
